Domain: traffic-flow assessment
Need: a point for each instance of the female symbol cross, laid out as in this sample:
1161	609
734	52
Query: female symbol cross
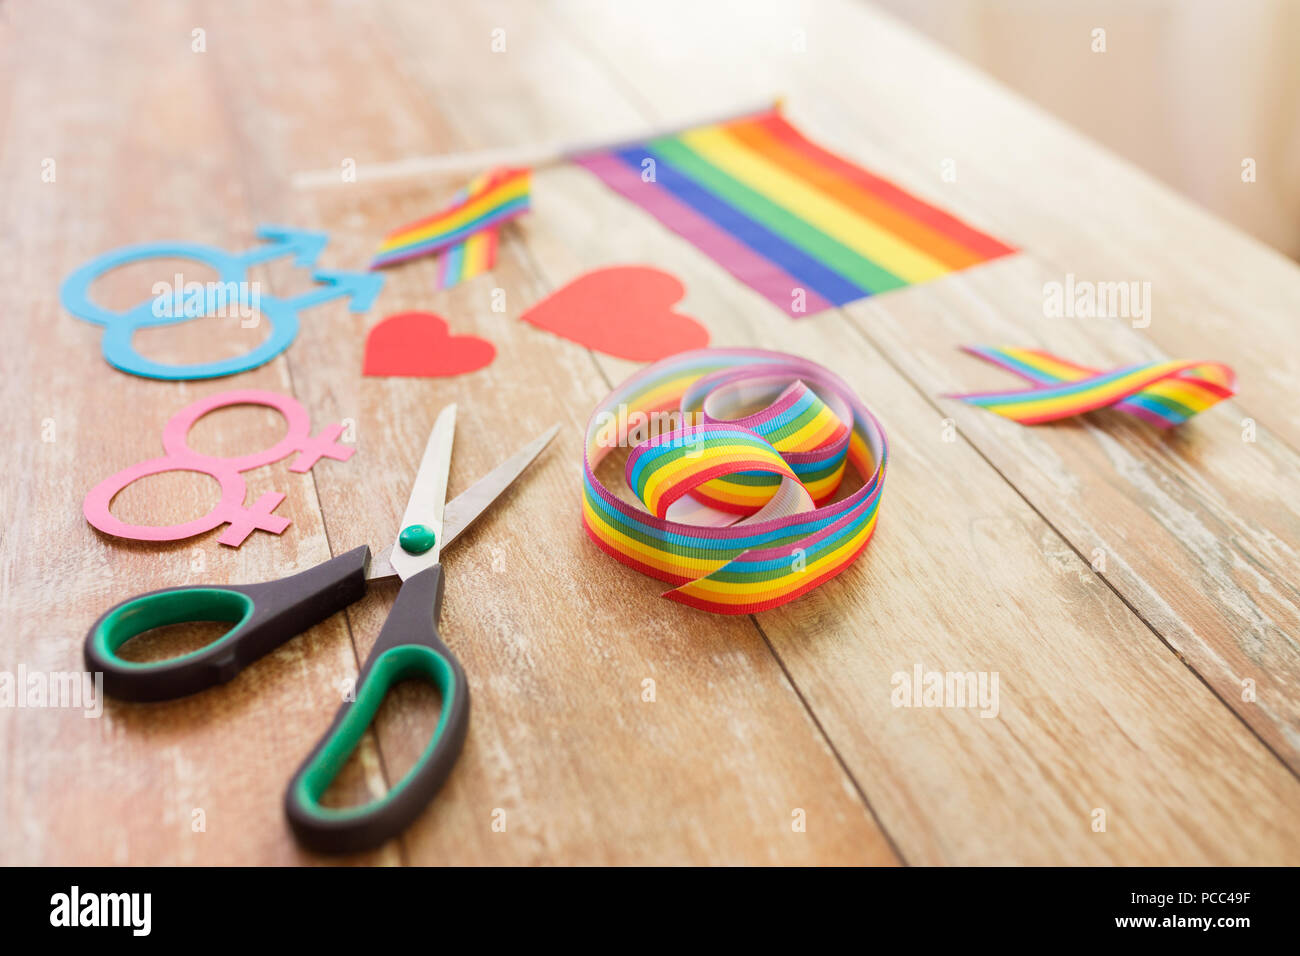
230	509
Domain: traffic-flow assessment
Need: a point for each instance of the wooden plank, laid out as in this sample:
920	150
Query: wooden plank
1094	712
1202	532
1233	618
125	788
561	739
1196	530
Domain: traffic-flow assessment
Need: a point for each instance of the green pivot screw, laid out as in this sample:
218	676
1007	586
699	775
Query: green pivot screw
417	539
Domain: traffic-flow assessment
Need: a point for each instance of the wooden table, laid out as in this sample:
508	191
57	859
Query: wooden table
1135	592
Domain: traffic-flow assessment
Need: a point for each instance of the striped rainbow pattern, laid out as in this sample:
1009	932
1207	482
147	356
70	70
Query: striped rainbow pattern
504	196
475	255
1164	394
782	214
812	441
785	545
661	470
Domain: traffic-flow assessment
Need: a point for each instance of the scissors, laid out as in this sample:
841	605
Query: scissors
268	614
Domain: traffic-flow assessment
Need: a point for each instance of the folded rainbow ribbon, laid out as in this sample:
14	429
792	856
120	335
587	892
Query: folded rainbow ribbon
473	257
737	519
1162	393
492	199
478	253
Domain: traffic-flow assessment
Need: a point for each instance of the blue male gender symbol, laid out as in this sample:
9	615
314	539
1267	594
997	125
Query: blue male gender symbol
232	270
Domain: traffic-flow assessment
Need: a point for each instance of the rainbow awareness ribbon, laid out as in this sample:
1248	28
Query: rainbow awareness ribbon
478	253
492	199
736	455
1164	394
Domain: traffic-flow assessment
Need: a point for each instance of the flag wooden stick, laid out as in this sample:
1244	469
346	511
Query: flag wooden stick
469	163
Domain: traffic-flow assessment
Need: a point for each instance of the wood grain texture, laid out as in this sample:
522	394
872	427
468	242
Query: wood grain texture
124	788
1120	688
1203	541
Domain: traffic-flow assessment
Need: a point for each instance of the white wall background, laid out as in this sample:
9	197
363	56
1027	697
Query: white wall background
1186	89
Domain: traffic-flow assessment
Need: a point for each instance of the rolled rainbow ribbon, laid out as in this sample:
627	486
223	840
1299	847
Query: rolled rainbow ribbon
735	487
1164	394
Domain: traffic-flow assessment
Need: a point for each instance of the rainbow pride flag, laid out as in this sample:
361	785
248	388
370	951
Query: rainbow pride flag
782	214
492	199
1164	394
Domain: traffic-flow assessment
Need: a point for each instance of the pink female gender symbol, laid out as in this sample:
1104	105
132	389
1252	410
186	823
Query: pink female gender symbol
230	509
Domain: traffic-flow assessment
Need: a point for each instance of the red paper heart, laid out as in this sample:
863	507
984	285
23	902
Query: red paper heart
624	311
418	344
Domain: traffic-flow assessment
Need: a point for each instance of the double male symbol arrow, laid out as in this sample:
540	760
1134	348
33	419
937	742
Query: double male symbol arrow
360	288
306	247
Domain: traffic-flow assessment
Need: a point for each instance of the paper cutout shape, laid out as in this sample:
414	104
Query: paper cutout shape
1164	394
419	344
230	509
494	198
232	288
625	311
801	226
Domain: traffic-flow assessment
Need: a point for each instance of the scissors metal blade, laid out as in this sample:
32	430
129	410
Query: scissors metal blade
428	498
463	510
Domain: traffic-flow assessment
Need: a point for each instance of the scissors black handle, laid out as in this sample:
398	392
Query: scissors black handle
407	647
264	616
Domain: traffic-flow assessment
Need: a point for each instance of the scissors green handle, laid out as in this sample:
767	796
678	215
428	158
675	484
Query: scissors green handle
263	616
408	647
